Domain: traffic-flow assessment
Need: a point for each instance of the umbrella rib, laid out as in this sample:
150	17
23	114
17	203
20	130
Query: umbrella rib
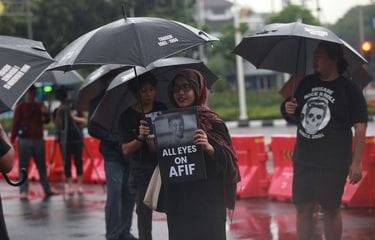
269	50
139	43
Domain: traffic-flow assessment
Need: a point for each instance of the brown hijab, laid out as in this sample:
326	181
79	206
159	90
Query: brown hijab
207	119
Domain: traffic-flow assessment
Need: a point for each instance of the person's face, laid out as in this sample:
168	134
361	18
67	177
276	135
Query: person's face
177	127
322	63
147	93
183	93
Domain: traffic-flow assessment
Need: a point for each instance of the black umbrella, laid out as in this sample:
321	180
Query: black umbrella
359	75
117	97
96	83
61	78
289	47
22	61
134	41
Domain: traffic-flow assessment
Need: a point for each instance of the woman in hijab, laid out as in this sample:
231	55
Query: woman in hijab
197	209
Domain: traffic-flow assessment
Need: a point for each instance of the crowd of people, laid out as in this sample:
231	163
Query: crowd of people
322	158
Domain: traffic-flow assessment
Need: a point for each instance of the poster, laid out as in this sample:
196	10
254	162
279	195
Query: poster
179	158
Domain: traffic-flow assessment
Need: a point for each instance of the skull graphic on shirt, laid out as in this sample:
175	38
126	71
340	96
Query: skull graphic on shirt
315	114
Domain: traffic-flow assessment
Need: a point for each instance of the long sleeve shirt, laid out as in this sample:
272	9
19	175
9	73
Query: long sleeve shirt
29	114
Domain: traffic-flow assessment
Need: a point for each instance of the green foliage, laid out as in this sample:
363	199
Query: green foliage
351	21
57	23
260	104
292	13
224	47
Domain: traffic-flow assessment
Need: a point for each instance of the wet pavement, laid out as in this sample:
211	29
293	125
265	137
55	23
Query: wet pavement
82	217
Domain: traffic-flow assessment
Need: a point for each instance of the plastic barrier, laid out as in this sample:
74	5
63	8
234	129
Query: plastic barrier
55	168
252	157
93	164
362	194
282	151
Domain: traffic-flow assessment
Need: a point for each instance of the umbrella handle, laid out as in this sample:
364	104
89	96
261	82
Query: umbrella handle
20	182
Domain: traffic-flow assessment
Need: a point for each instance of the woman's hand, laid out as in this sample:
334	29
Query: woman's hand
201	139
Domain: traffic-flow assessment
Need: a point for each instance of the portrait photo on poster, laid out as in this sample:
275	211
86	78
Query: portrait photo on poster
179	158
150	119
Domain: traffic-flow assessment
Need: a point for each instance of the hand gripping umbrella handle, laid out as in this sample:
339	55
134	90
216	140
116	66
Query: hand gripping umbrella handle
20	182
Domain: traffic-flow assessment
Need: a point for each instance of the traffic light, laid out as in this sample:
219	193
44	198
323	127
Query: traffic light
366	48
43	89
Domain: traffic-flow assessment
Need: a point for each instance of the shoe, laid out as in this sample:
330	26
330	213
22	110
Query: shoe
80	190
50	194
69	190
23	196
130	237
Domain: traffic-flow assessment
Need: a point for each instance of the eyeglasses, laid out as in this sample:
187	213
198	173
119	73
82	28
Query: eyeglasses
186	87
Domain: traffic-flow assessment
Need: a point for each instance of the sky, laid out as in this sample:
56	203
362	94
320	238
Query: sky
331	10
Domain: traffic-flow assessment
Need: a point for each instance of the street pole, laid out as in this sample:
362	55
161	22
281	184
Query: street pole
201	22
243	118
29	19
360	25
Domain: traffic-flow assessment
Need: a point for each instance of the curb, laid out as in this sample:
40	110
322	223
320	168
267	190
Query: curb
259	123
269	123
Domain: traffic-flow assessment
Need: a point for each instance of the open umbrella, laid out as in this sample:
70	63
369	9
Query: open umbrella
359	75
96	83
61	78
117	97
134	41
289	47
21	63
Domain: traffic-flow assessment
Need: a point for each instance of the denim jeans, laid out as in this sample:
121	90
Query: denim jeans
35	148
120	204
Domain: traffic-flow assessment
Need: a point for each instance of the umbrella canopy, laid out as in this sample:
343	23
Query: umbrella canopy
22	62
118	97
96	83
289	47
134	41
61	78
359	75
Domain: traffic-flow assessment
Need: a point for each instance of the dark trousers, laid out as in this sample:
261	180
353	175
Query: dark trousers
138	187
35	148
120	203
186	227
3	227
75	150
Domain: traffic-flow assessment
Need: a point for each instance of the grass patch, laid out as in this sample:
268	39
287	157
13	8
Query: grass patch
260	104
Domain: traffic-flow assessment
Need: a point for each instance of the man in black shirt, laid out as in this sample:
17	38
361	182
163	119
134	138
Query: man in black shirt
326	106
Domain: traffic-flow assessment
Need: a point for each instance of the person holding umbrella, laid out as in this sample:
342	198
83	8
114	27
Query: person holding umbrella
197	209
138	147
119	202
326	105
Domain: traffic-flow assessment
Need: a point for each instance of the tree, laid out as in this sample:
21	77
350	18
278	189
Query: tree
292	13
351	21
57	23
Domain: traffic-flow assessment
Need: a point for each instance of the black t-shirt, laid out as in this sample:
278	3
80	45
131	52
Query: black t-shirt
74	130
4	147
142	162
327	111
